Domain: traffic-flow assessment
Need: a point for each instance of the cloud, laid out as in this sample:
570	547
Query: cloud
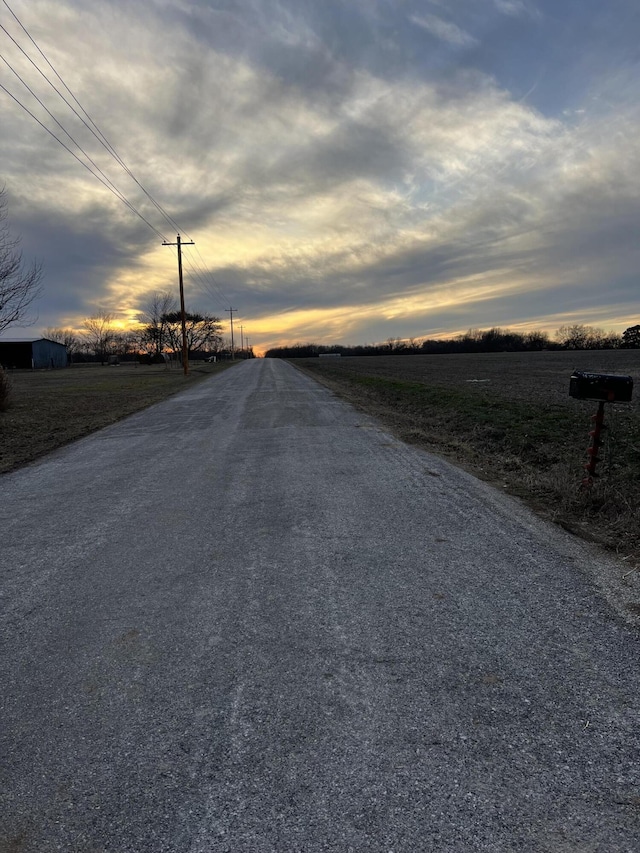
517	8
336	176
528	223
447	31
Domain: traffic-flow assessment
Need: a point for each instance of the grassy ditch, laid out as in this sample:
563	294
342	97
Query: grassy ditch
531	441
50	408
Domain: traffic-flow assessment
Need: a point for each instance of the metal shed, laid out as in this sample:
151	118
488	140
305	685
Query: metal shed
35	353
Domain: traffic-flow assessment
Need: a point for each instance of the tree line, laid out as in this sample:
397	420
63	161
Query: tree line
157	334
569	337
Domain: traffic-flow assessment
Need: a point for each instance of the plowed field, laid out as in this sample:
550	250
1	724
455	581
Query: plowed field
508	417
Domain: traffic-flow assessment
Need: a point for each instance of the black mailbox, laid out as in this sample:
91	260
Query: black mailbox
601	386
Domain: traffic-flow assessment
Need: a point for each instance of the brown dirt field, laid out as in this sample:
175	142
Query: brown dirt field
508	418
528	376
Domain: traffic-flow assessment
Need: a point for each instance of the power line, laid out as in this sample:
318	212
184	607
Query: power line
209	287
225	298
105	179
212	289
99	135
82	163
102	139
205	287
111	186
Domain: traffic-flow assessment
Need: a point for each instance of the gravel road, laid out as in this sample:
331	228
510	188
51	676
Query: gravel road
248	619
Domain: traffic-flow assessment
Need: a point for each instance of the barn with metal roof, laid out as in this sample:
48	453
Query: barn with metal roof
32	353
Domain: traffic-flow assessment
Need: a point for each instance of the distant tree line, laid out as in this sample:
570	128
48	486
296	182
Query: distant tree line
158	333
574	337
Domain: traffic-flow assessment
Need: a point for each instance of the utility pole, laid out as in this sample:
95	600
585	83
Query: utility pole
230	311
241	339
185	353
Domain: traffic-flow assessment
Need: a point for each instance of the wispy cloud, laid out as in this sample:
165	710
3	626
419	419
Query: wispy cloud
445	30
517	8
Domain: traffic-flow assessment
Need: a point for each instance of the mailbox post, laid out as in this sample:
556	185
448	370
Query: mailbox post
605	388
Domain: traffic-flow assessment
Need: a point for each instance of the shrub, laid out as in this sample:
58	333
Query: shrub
5	390
151	358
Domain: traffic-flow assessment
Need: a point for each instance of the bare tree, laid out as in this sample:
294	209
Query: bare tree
580	336
19	284
203	331
536	340
99	334
64	336
154	337
124	344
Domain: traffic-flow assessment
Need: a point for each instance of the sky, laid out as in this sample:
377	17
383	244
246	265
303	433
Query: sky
349	170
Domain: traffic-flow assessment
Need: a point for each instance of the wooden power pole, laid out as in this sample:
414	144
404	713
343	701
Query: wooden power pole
230	311
185	352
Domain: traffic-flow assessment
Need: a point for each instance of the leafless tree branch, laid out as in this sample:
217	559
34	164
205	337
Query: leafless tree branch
20	284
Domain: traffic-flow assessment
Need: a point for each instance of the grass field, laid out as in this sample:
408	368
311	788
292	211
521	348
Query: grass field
508	418
50	408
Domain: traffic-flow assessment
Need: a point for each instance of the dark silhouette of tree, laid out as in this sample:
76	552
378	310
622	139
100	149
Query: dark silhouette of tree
203	331
99	335
580	336
125	344
536	341
631	338
19	284
473	341
153	337
573	337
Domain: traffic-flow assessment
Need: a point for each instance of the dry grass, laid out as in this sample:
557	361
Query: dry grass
50	408
508	418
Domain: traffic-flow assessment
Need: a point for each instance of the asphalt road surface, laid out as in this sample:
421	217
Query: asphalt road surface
248	619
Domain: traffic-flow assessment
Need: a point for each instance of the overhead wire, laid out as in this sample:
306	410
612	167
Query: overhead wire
82	163
101	138
210	286
204	287
99	135
214	281
107	181
211	289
